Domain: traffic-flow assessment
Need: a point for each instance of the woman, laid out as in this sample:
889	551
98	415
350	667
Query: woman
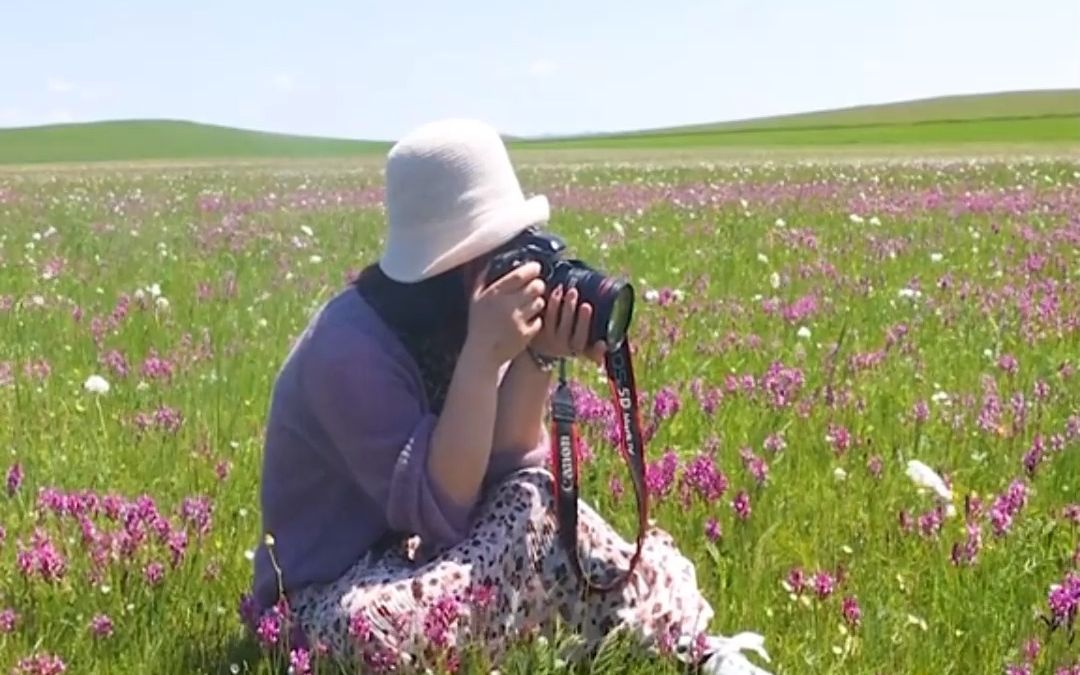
412	410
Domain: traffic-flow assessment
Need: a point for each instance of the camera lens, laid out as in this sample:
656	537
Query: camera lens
612	300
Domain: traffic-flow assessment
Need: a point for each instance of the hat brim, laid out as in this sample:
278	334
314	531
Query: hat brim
409	258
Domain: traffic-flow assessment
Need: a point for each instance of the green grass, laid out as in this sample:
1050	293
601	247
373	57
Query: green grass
244	255
963	108
1041	130
164	139
1041	119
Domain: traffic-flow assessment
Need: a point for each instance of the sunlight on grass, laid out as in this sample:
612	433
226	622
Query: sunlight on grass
144	315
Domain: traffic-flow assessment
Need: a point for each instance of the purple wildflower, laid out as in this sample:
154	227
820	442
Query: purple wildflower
851	611
299	661
782	384
1008	363
360	628
875	465
154	573
741	504
439	619
839	437
796	580
40	664
9	619
1031	650
755	466
824	584
702	476
713	530
101	626
269	628
1064	600
660	475
666	403
775	443
14	478
921	412
966	553
1006	506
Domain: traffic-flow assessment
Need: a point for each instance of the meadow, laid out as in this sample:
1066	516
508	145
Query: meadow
806	331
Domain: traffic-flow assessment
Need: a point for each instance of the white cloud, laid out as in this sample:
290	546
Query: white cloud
542	67
59	85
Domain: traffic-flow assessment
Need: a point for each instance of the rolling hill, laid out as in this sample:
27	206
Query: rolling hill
127	140
1033	117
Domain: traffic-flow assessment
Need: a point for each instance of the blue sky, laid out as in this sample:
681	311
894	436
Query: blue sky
364	69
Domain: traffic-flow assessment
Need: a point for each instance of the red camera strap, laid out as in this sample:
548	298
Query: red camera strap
620	374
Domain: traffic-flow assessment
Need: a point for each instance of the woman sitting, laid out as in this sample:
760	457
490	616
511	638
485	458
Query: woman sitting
412	408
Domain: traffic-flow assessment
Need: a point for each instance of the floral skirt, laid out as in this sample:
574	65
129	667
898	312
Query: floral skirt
509	580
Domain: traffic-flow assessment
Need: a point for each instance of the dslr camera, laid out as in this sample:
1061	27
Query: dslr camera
612	299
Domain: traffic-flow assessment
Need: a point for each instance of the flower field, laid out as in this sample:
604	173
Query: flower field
859	386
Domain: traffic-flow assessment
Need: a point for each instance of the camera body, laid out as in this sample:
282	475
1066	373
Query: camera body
612	299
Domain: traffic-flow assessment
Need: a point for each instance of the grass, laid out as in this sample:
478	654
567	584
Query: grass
956	284
1041	118
962	108
127	140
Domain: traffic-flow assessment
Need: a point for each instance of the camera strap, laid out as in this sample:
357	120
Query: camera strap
620	373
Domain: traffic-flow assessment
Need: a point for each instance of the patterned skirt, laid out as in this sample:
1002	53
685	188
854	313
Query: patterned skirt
510	580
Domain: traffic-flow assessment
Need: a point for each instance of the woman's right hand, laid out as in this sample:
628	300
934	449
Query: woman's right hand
505	315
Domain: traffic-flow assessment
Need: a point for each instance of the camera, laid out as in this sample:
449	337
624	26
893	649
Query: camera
612	299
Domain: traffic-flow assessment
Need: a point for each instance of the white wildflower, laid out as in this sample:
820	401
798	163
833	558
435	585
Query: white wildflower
96	384
780	222
774	280
617	226
936	257
163	303
315	259
856	218
804	333
839	474
725	653
762	258
928	479
307	230
910	293
652	295
917	621
874	220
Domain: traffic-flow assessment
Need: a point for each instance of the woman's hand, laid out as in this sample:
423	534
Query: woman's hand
505	316
565	330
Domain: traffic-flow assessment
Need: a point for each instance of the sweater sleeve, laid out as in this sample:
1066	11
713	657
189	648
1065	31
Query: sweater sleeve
367	406
503	464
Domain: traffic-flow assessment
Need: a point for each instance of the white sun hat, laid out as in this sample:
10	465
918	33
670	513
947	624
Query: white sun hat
451	195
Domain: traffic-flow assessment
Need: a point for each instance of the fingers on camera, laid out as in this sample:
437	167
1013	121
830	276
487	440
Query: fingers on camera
569	309
581	330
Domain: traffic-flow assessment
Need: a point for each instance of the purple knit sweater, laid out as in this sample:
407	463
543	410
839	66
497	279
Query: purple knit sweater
345	458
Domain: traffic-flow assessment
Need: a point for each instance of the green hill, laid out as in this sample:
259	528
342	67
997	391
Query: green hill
1050	116
164	139
1033	117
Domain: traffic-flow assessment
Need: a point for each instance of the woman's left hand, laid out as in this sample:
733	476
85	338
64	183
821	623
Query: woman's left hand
565	330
